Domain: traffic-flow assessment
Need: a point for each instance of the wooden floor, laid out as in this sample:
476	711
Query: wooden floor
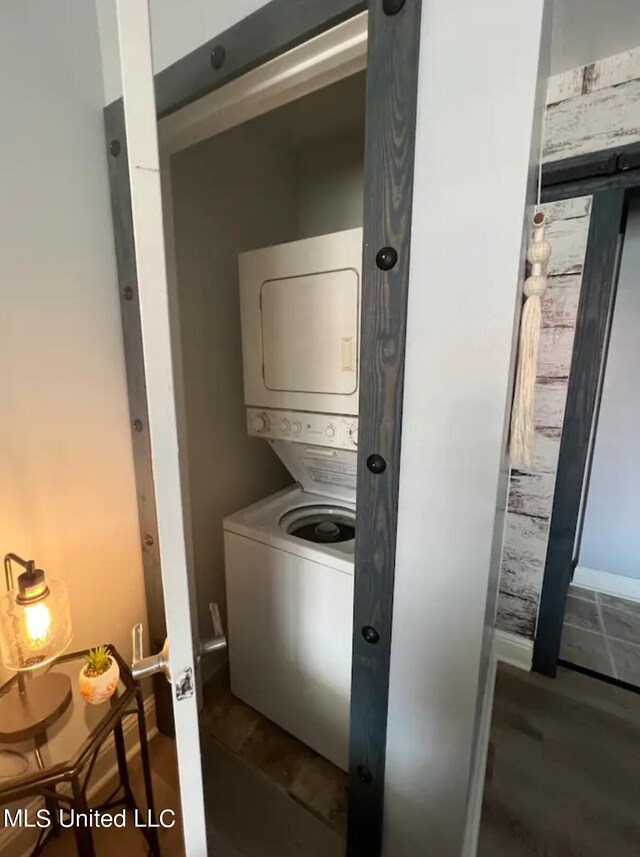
129	842
565	779
293	767
564	782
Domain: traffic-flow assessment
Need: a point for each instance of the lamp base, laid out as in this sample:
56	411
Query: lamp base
29	714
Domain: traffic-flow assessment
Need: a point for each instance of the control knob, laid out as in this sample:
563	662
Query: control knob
260	423
330	430
296	427
285	425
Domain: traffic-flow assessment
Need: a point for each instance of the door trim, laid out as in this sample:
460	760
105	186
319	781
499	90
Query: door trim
391	103
390	116
596	295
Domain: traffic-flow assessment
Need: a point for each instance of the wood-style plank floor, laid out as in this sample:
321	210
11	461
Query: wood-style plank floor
565	777
564	782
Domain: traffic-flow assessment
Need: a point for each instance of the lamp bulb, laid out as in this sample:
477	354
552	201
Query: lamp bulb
38	624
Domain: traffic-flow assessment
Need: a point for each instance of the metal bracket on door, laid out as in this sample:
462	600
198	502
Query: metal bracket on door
142	667
219	640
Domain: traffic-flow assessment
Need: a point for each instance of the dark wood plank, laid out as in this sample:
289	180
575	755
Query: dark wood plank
271	30
580	167
598	285
622	180
392	72
137	392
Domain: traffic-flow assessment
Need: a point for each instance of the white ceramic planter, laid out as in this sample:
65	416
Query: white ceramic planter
98	689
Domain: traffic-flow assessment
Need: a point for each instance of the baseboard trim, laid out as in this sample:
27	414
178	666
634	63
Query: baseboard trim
609	584
18	842
515	650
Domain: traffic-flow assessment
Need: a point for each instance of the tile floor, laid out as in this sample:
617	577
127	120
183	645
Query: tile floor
297	770
602	633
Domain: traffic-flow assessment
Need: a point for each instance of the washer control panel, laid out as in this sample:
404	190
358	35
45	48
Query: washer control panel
317	429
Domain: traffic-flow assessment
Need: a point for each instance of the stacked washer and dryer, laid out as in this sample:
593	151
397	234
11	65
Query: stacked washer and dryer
290	557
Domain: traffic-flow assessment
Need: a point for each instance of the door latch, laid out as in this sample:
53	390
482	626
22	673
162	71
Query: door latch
142	667
219	640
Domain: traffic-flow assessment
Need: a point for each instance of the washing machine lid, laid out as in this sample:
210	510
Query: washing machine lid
320	469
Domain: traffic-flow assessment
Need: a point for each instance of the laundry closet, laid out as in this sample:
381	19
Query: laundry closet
265	226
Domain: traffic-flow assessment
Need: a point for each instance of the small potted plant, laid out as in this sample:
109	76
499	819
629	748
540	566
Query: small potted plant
99	676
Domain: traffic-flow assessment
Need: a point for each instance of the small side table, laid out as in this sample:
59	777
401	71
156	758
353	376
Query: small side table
63	780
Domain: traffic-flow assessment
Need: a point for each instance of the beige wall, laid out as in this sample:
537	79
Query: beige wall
67	494
330	176
229	194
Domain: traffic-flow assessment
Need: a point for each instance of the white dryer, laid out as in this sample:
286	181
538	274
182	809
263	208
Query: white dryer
300	312
289	577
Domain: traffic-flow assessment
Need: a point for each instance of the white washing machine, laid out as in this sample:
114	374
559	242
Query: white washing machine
289	578
289	558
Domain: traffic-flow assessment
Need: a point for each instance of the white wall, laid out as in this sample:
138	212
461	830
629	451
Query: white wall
583	31
230	194
473	176
611	535
177	27
589	30
67	493
330	177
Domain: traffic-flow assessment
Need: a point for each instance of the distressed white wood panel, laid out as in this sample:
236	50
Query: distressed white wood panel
546	450
568	239
525	547
560	301
607	72
554	352
593	121
568	84
567	209
526	542
613	70
531	491
524	554
518	614
551	398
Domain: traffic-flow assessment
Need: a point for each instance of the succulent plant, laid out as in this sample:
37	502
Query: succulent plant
98	661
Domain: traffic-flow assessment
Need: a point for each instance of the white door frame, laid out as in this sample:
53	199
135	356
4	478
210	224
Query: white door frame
146	204
325	59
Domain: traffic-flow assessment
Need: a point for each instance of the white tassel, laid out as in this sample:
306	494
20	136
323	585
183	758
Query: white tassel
523	414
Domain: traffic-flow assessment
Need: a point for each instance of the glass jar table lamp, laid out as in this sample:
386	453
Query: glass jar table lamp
35	628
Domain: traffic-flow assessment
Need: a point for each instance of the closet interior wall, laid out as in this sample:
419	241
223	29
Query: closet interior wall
292	173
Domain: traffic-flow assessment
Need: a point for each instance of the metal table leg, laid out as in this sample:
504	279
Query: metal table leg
150	832
84	837
123	769
50	804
